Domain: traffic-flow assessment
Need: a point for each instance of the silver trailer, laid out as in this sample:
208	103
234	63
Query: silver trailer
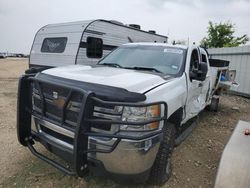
84	42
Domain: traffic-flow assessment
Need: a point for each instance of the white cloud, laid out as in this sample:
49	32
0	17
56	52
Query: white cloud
181	19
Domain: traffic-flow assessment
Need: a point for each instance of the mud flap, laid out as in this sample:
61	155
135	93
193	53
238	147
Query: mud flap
23	105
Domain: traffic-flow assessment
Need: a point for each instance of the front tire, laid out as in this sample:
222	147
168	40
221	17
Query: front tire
161	169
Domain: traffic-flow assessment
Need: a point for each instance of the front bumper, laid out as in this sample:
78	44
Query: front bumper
124	154
129	157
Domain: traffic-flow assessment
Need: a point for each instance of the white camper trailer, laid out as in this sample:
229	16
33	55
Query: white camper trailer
84	42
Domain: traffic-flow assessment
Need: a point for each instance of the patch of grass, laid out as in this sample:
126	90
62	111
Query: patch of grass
32	174
40	174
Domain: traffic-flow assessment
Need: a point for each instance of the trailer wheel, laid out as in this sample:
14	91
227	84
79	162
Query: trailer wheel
214	104
161	169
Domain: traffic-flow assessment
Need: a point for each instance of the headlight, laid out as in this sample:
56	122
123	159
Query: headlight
140	114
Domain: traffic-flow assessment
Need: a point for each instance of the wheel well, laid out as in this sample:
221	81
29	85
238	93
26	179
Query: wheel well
176	118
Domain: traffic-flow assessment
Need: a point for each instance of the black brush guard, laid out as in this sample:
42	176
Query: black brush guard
82	131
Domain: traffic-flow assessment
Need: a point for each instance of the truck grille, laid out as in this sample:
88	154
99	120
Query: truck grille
54	99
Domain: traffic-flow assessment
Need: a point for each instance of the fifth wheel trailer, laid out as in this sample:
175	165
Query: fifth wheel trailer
84	42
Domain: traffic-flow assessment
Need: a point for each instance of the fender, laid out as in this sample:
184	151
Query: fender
174	93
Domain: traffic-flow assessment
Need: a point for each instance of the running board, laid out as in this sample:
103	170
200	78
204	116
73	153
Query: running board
186	132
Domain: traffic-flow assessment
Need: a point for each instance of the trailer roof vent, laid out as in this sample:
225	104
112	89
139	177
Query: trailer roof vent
136	26
152	31
116	22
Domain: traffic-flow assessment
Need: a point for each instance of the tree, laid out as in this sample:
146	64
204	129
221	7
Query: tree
222	35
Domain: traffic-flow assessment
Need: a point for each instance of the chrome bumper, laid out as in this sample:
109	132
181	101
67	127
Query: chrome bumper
129	157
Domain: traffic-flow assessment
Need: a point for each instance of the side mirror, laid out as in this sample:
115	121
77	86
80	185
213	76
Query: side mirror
202	72
199	74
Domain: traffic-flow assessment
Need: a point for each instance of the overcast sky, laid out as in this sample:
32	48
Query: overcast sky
179	19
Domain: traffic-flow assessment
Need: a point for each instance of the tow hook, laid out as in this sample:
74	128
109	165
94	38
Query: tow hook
30	140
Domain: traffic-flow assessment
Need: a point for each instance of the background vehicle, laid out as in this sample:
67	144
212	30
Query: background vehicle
121	117
84	42
3	55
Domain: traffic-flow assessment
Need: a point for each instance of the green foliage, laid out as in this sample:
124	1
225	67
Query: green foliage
221	35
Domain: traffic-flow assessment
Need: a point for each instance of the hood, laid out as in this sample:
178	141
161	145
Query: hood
131	80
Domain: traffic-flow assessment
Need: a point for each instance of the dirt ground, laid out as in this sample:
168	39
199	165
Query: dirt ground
195	161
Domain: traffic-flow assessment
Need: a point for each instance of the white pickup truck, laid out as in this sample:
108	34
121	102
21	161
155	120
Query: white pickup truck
121	117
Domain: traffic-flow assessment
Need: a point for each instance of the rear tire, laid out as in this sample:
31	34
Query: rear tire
214	104
162	168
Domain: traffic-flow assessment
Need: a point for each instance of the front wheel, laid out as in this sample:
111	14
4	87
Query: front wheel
161	169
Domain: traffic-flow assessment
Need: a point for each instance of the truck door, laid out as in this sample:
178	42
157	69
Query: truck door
205	85
194	98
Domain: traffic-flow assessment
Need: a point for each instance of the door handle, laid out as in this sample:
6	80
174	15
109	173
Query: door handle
200	85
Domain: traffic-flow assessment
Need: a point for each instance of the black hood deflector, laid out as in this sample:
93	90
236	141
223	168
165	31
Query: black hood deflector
104	92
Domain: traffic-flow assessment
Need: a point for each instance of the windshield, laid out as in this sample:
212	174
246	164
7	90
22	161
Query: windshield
163	59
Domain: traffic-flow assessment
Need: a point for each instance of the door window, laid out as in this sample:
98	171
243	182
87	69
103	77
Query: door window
194	63
203	58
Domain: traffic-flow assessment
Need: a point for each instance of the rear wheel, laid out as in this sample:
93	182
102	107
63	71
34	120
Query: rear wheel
162	168
214	104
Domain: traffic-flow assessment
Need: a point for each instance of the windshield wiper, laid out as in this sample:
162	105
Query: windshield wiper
144	68
111	64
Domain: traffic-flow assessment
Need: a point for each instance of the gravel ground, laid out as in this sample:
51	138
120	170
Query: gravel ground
195	161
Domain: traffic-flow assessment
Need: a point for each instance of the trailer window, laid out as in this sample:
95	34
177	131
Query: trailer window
94	47
54	45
